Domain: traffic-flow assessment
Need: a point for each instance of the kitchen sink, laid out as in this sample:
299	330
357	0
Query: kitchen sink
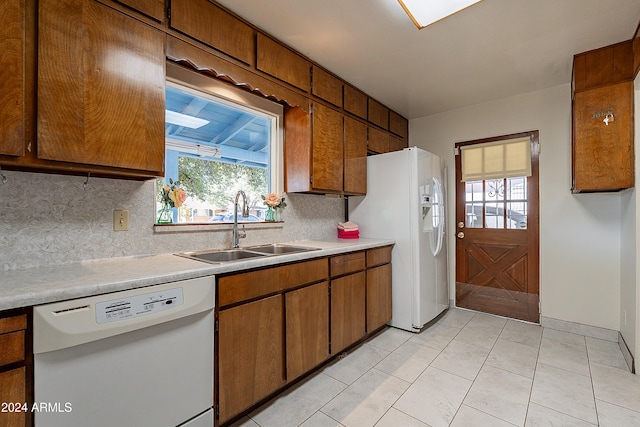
224	255
242	254
279	249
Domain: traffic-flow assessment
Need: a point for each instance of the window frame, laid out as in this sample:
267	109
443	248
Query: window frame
223	92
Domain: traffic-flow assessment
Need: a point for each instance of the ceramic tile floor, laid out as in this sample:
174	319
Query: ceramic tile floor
467	369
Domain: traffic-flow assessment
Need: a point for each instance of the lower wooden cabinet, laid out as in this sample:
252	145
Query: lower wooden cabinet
307	328
276	324
378	296
13	385
347	310
250	354
16	369
378	287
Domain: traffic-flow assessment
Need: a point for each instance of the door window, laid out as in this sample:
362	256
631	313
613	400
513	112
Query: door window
496	203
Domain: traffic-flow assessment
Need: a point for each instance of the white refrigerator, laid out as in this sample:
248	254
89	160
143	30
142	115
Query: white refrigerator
405	201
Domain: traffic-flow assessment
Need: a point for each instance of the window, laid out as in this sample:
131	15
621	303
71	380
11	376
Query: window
496	203
219	139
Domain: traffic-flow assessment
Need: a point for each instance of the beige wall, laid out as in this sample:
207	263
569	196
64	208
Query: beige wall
579	234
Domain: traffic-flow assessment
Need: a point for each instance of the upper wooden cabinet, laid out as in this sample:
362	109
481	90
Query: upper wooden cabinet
603	158
602	119
355	156
397	144
378	114
398	125
328	149
152	8
283	63
100	87
12	77
326	86
215	27
604	66
325	152
355	102
378	141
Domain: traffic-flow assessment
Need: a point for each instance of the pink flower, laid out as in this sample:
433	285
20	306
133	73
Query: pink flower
178	196
272	200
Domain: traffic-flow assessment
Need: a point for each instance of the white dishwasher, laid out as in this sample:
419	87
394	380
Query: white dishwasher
142	357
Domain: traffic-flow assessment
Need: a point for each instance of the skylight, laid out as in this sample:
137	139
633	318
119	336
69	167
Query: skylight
426	12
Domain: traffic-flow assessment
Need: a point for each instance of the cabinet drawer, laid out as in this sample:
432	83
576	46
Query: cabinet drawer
326	86
13	323
378	256
283	63
12	345
254	284
345	264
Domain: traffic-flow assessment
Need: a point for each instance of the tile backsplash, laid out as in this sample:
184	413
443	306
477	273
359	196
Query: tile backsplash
49	219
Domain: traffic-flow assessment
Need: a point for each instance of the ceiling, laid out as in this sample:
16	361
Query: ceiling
491	50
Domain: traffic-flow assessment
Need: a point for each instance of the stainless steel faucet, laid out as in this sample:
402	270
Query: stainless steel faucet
245	213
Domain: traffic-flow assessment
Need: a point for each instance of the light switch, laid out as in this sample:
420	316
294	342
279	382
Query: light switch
120	220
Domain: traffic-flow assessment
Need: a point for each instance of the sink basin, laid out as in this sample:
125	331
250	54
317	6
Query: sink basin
225	255
230	255
279	249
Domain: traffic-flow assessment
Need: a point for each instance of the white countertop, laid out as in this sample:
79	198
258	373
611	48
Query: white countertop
23	288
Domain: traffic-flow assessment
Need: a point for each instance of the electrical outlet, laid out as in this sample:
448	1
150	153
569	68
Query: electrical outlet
120	220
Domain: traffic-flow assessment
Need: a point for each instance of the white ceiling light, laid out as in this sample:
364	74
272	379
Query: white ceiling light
426	12
184	120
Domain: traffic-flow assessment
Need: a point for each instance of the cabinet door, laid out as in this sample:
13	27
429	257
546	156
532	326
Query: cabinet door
307	328
151	8
398	125
603	154
347	310
250	354
355	102
396	144
378	141
100	87
378	114
13	386
327	149
355	156
211	25
326	86
378	296
283	63
12	77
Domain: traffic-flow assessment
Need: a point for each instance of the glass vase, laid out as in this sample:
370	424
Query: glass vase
165	215
270	215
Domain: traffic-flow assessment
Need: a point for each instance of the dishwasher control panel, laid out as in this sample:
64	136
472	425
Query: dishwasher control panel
138	305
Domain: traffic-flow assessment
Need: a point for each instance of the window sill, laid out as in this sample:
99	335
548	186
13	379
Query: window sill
194	228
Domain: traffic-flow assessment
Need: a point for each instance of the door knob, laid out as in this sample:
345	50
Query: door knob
461	224
460	235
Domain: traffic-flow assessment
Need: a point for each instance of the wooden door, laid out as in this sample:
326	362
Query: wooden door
101	95
347	310
12	77
307	328
497	244
250	354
